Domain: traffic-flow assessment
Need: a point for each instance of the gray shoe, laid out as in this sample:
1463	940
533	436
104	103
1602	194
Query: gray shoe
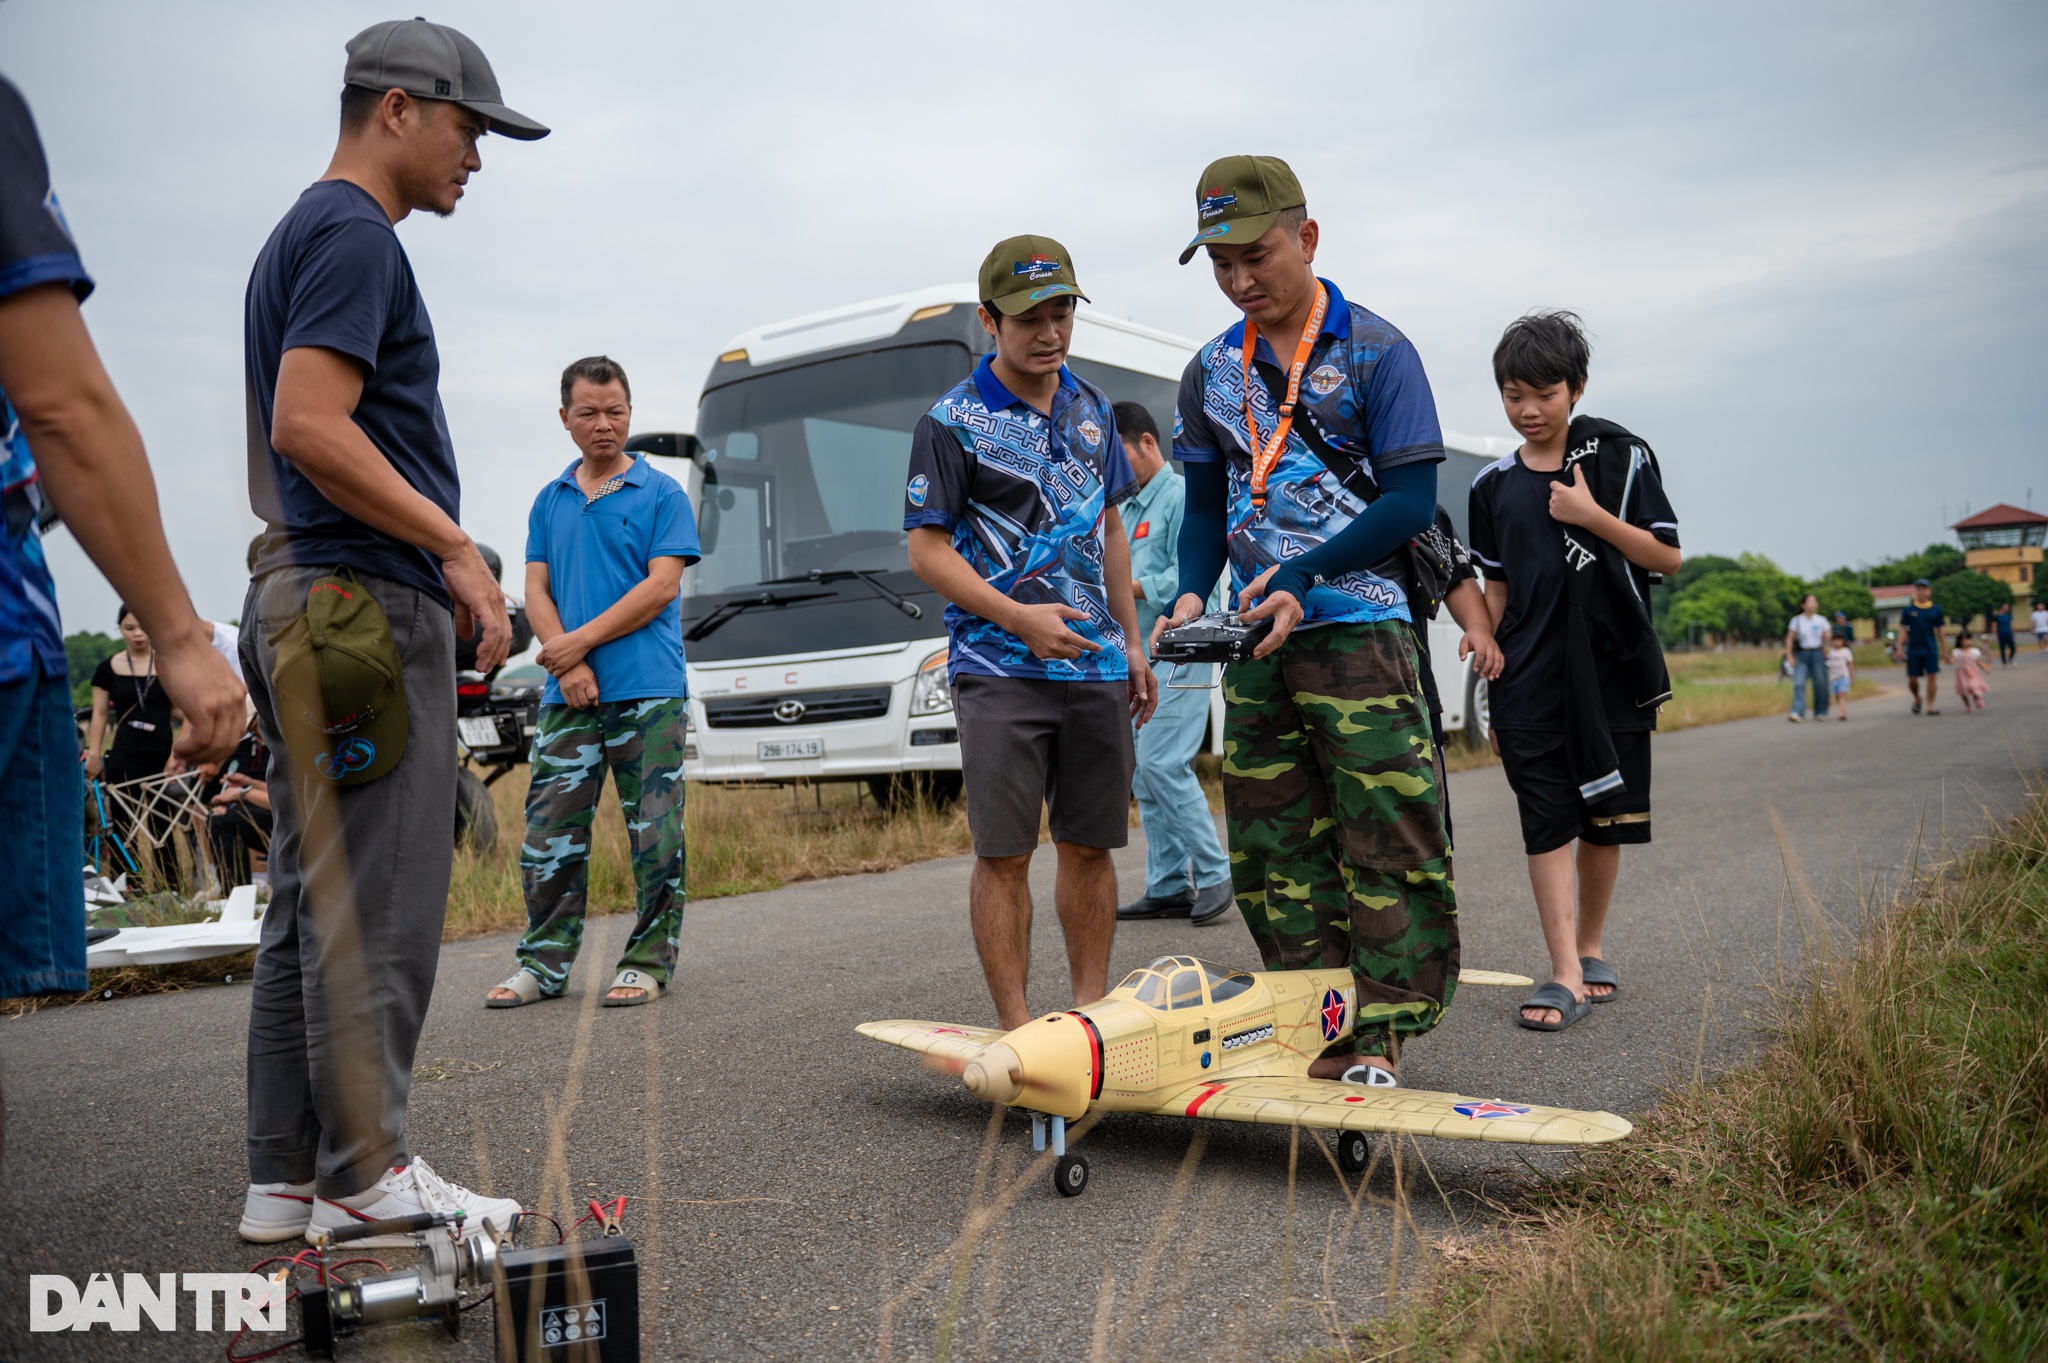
1211	901
1169	906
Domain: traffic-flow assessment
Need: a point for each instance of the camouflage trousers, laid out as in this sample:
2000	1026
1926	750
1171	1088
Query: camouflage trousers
641	742
1332	797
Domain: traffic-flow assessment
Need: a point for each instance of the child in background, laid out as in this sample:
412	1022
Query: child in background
1968	661
1841	675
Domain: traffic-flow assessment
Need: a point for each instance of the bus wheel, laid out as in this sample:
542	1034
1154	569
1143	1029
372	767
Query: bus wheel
892	793
476	818
1478	714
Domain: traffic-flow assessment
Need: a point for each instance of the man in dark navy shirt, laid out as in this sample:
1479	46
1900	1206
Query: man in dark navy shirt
1310	441
1919	645
67	442
351	467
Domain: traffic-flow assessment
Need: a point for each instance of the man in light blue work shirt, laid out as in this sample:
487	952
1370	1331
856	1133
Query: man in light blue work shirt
1186	873
606	545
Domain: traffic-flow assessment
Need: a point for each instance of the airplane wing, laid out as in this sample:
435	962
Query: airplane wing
1408	1112
942	1039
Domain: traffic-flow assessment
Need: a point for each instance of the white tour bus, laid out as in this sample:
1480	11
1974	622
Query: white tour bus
814	652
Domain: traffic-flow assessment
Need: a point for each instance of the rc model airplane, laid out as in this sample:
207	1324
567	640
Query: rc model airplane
1184	1038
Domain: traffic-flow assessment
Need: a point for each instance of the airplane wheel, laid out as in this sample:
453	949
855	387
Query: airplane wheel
1070	1175
1353	1151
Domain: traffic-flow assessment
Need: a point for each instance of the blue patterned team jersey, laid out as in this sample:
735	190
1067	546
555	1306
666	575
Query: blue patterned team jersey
35	249
1364	394
1024	495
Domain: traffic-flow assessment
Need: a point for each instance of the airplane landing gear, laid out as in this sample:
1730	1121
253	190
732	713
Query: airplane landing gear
1353	1151
1069	1172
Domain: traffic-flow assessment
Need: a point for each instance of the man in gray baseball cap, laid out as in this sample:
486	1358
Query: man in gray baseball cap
433	61
352	469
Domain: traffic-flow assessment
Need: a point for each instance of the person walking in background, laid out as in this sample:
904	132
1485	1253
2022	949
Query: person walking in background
1919	645
1015	477
1806	640
2040	622
1841	660
606	545
1186	873
1968	661
67	443
2001	620
1310	440
1845	629
352	469
1568	529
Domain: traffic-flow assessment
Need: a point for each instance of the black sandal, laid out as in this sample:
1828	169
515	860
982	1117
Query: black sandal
1553	995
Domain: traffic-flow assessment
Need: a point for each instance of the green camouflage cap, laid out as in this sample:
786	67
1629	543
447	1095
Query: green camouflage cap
339	685
1240	197
1023	272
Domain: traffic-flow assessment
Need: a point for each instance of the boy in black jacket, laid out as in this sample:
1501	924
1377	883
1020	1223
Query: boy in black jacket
1569	529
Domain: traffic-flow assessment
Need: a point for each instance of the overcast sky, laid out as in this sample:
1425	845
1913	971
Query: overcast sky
1809	240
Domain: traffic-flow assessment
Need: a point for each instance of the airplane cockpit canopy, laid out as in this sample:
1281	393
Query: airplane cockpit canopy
1185	982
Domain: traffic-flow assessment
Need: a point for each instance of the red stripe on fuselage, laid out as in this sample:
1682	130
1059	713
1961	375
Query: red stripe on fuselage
1096	1067
1208	1091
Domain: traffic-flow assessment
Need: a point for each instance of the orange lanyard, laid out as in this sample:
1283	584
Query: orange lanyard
1265	456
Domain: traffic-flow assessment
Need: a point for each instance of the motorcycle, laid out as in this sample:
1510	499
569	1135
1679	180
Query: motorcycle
494	723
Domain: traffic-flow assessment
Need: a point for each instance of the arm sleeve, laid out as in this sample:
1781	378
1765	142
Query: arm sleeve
1400	414
103	675
1119	479
939	476
1485	545
675	528
1651	509
1166	521
1404	509
341	294
1195	439
537	528
35	244
1204	524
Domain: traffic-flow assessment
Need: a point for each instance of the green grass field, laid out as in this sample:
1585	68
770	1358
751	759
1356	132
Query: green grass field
1874	1186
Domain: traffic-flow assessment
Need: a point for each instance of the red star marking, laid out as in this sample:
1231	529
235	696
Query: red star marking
1333	1014
1490	1109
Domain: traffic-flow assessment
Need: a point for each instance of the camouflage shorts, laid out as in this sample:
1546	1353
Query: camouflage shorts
641	743
1332	796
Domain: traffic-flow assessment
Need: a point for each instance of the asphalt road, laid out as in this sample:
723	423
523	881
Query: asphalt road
798	1192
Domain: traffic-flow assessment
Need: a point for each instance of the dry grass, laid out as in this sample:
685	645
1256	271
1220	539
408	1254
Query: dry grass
1875	1186
738	840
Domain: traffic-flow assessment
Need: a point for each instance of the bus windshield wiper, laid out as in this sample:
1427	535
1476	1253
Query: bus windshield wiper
729	609
867	575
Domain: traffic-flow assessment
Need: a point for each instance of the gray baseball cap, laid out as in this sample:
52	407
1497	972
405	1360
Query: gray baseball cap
433	61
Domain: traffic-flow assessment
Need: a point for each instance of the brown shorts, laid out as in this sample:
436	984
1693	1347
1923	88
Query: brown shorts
1026	744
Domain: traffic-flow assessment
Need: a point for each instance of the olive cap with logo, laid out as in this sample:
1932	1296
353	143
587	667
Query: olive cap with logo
434	61
339	685
1023	272
1239	197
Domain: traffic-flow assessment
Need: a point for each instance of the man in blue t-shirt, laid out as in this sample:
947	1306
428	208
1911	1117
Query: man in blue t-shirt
67	443
352	469
606	546
1919	644
1310	442
1011	508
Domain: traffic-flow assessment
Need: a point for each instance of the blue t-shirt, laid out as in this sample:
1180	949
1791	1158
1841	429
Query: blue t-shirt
1364	392
1923	629
35	248
333	275
597	550
1024	496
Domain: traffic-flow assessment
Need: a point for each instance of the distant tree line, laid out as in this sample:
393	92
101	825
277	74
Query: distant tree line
1748	599
83	653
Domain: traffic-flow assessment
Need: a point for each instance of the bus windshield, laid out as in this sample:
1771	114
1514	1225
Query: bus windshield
804	467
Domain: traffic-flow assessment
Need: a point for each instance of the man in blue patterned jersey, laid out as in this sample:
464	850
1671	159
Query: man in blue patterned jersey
1015	476
1310	443
67	442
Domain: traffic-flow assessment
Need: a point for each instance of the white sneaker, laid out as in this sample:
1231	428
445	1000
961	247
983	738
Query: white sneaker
276	1211
409	1191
